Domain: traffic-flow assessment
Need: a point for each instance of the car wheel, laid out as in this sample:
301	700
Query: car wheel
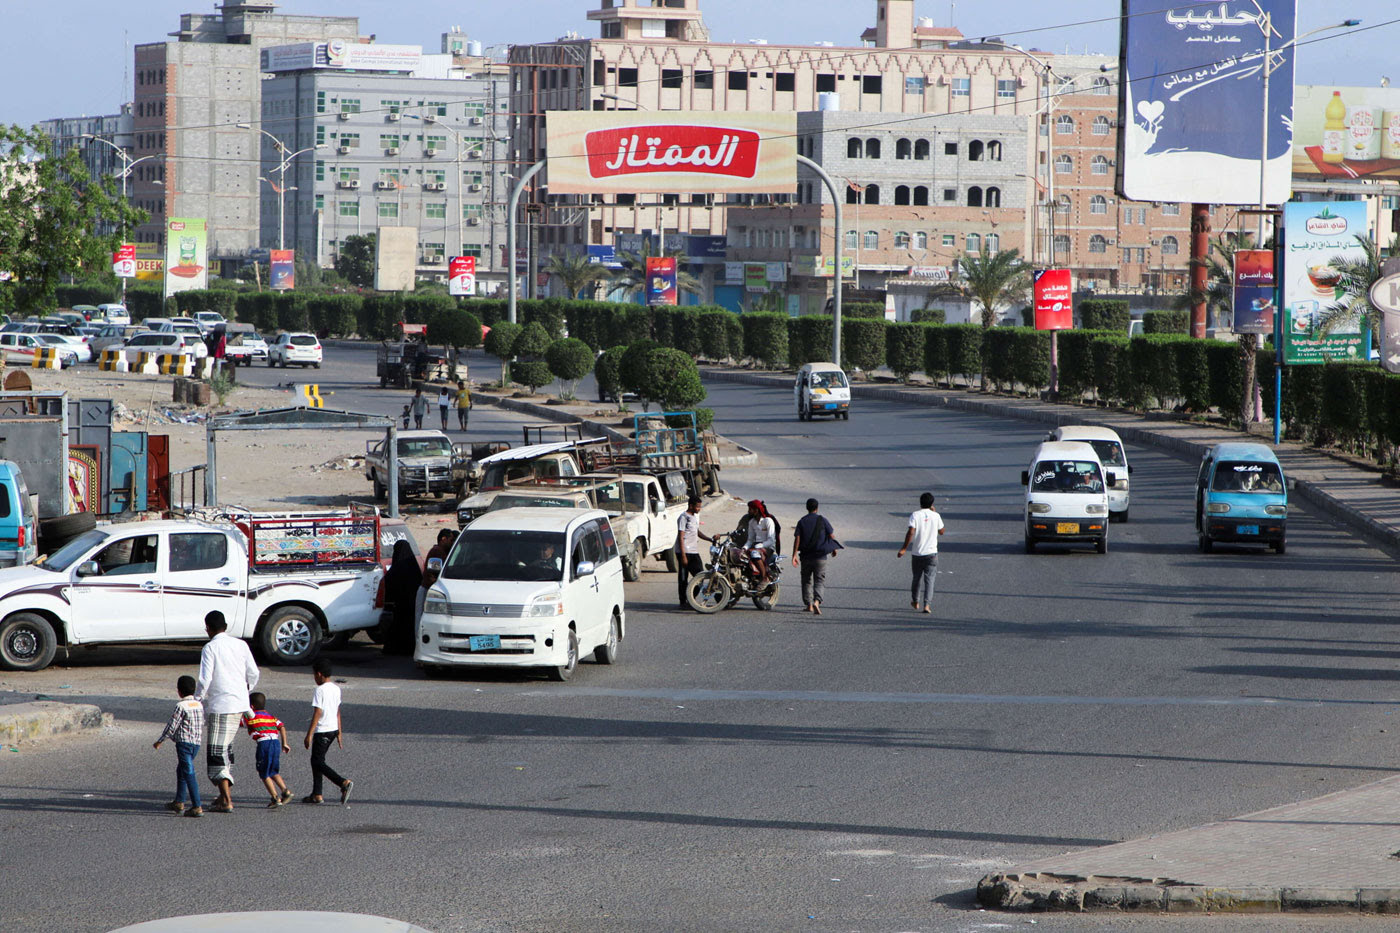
632	561
1123	515
1280	547
566	670
282	363
315	365
381	492
801	413
1101	545
1030	545
271	362
708	592
767	599
606	653
1204	543
668	557
845	416
27	642
291	635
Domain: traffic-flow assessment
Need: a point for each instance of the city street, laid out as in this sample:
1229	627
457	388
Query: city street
764	771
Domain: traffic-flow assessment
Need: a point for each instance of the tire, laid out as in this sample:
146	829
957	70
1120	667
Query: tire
606	653
27	642
384	384
1123	515
708	592
768	599
283	363
270	362
315	365
631	563
668	557
1205	544
291	635
1101	545
1280	547
381	492
802	414
61	529
845	416
1030	545
566	670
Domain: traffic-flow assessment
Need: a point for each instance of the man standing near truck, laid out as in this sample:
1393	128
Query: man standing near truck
420	408
688	536
227	674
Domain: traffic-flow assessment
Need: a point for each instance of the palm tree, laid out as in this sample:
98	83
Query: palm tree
576	272
994	279
1357	277
631	280
1219	294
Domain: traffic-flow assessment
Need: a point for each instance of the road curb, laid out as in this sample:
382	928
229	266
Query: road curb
1049	893
1309	491
551	413
27	722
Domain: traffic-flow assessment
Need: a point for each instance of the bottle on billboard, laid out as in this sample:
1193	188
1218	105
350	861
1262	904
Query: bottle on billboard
1334	129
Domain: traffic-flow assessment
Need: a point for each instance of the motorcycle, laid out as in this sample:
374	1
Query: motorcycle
730	577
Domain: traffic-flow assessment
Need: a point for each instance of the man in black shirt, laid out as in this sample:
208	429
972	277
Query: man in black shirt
813	543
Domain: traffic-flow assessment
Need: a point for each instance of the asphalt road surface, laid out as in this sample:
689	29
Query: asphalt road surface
772	771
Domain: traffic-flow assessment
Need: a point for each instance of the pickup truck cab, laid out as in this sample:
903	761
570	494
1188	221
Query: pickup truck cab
300	580
426	460
527	588
19	529
1067	496
532	463
1241	498
646	527
245	345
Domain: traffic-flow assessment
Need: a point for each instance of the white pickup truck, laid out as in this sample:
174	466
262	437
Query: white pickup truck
285	582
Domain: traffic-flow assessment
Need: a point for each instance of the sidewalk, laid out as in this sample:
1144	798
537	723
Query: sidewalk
1348	492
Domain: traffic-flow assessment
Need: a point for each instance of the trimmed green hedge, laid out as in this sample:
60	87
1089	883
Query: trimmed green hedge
904	349
862	309
863	343
1111	314
809	339
928	316
766	337
1166	322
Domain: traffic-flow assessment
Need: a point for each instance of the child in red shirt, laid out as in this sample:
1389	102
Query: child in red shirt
271	738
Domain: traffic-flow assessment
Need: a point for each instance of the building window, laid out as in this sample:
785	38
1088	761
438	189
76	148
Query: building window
348	208
1390	202
915	85
1062	205
961	87
785	81
435	210
386	140
871	240
993	198
921	239
738	80
826	84
1170	246
389	209
1102	126
850	241
350	105
974	243
1006	88
994	151
950	194
672	78
1061	243
974	196
1098	244
1063	164
903	149
920	149
872	194
975	151
993	243
852	193
1064	124
1171	210
901	195
872	149
950	149
320	101
626	77
855	148
703	80
320	202
1102	87
1098	204
1127	215
950	239
1098	165
920	196
320	170
871	84
901	239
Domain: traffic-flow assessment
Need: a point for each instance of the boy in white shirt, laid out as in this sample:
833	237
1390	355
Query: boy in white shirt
325	729
925	526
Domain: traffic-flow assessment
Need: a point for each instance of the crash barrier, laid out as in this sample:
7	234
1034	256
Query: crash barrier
146	364
204	369
113	361
46	358
191	392
175	364
308	395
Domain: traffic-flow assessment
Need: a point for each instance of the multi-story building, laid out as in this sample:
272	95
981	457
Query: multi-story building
190	94
103	142
406	140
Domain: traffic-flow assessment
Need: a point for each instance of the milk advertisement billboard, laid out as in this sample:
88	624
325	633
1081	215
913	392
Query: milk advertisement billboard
1191	93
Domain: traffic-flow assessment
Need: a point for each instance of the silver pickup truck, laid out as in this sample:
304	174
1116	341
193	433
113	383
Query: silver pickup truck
427	465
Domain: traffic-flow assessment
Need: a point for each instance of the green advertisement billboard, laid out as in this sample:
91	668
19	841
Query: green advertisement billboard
1318	236
186	255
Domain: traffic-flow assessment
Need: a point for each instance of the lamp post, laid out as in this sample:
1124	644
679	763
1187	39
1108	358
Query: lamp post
280	186
128	163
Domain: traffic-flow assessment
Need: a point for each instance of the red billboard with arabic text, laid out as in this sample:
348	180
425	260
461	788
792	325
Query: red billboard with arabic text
1054	300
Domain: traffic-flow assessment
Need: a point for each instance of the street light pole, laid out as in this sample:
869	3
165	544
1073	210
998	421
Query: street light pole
281	186
128	163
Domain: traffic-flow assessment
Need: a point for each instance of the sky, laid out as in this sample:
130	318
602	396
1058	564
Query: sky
73	57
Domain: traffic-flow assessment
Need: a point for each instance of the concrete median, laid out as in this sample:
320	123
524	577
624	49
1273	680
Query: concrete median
29	722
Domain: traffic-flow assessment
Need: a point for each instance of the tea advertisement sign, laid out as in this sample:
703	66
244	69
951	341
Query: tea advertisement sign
1317	236
1186	74
186	255
1254	291
1346	132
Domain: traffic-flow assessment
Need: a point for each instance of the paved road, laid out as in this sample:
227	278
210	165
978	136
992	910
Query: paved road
771	771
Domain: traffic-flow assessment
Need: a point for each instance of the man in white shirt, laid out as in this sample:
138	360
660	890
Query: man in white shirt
925	526
761	536
226	675
688	538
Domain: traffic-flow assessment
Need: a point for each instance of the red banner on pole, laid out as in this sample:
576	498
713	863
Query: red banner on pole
1054	301
661	280
124	261
461	276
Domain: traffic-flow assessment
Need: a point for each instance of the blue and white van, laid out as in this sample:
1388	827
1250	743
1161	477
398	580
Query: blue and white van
19	531
1241	497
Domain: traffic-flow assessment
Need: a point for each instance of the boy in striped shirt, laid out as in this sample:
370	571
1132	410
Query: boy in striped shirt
271	738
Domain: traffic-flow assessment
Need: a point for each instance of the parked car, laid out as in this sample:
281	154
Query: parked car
19	529
112	336
194	339
70	337
298	349
156	342
115	314
208	320
89	312
72	317
245	345
26	345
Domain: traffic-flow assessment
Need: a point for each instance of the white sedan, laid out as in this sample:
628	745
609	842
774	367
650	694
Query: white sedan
297	349
26	345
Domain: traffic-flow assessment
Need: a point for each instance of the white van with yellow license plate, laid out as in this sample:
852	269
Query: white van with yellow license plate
1067	496
822	389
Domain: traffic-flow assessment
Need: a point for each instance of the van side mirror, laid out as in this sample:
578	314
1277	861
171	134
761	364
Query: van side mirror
435	564
1130	469
584	569
1025	478
89	568
1112	480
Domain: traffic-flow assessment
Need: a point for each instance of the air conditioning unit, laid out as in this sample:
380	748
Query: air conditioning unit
1156	242
477	121
434	186
430	152
474	221
391	150
440	279
353	183
384	185
343	116
393	117
343	150
473	187
474	154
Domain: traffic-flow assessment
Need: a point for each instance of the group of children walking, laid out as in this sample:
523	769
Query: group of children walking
186	729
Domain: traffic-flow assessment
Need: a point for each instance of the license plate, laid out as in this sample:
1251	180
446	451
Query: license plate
1067	528
484	642
830	405
1247	530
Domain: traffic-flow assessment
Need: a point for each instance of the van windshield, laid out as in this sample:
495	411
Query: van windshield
1068	476
425	447
1110	453
1245	476
829	380
523	556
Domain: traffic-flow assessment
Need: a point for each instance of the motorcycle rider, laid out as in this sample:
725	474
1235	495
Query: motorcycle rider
761	541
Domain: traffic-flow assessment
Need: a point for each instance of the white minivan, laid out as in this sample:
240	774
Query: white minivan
532	587
822	389
1109	446
1067	496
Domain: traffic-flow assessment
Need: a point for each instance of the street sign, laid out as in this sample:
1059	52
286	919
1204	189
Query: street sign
461	276
661	280
124	261
1054	307
1254	291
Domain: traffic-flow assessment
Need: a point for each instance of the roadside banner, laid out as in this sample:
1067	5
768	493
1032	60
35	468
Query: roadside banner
283	266
1316	235
124	261
1185	76
756	276
186	255
461	276
1346	132
1254	291
661	280
1054	304
623	152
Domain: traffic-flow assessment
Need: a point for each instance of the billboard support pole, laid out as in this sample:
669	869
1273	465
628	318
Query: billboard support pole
836	219
1200	274
514	287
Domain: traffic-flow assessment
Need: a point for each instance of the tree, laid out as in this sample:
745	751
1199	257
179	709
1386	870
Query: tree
674	379
356	260
631	280
500	343
994	279
1357	277
50	213
454	329
607	372
569	360
529	349
632	369
576	273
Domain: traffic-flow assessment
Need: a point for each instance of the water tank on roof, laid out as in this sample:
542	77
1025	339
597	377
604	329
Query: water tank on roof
925	22
828	100
474	48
